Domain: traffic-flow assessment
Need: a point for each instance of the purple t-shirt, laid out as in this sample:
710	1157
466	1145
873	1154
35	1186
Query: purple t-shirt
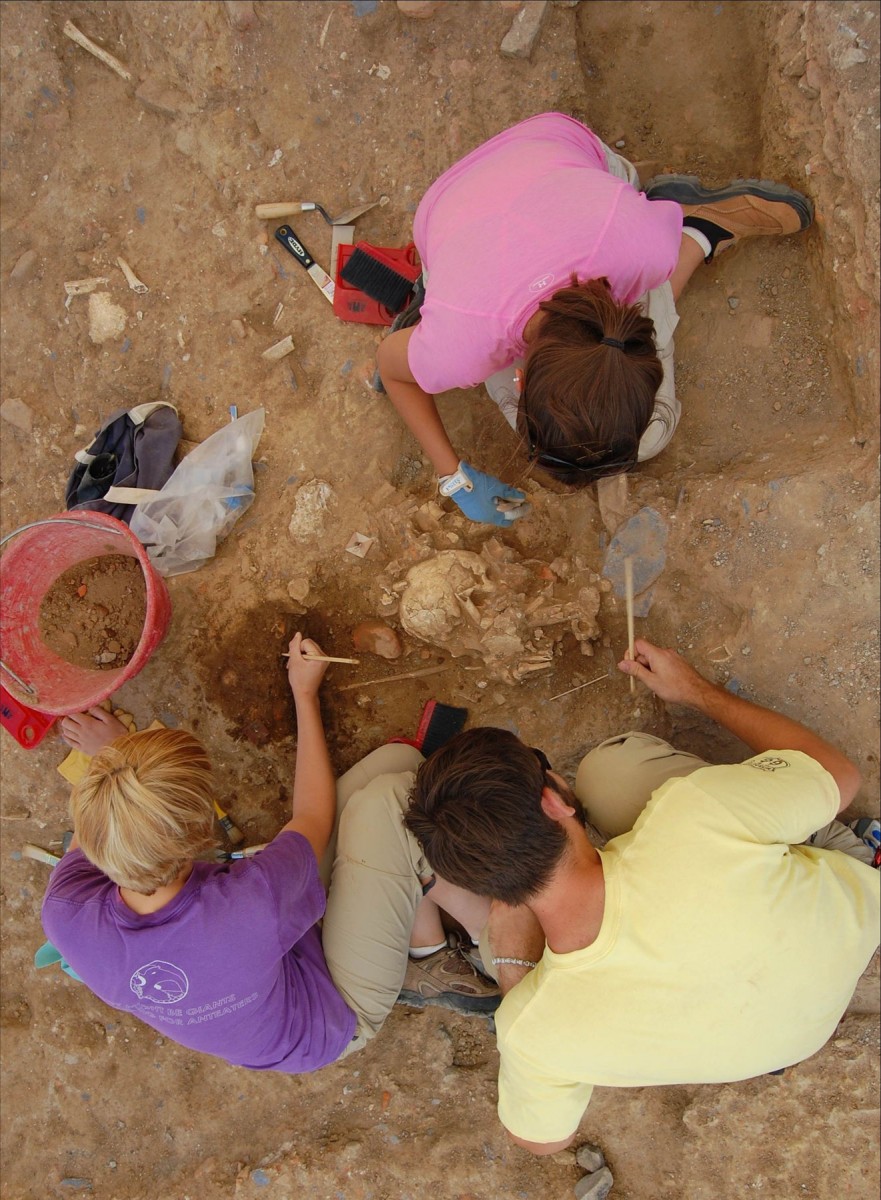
232	966
506	227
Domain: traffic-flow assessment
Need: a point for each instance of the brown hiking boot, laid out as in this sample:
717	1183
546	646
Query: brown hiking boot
745	208
447	980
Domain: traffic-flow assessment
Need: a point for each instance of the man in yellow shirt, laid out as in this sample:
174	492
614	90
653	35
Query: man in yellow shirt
713	939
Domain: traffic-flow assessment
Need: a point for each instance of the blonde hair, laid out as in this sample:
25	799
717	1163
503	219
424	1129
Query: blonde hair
145	808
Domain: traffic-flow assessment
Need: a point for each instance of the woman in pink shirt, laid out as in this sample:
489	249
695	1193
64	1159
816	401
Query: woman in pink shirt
552	278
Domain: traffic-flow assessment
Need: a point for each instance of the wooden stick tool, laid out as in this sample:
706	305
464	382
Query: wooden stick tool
325	658
70	30
628	600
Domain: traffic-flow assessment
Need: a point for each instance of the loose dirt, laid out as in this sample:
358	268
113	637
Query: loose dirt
93	614
763	510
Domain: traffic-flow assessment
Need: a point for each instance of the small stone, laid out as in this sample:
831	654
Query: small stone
375	637
311	510
733	302
19	414
777	406
23	267
620	144
238	328
256	733
298	589
167	101
787	271
106	319
590	1157
746	651
105	657
420	9
520	40
241	15
595	1186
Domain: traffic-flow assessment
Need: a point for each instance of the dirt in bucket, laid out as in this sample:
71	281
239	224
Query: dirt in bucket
93	614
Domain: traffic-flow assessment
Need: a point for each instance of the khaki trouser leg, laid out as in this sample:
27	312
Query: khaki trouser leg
615	781
387	760
838	836
375	887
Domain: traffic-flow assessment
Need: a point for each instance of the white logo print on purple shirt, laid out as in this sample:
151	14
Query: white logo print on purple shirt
161	982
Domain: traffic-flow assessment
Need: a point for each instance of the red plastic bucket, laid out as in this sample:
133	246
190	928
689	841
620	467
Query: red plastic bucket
32	672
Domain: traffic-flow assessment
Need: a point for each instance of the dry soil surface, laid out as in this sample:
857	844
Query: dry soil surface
761	517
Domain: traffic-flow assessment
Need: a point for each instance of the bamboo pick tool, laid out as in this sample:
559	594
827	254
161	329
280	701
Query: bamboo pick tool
569	691
325	658
393	678
628	599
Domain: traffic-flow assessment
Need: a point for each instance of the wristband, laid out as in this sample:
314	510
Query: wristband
514	962
448	485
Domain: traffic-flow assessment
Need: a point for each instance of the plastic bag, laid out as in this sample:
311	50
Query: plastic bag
202	500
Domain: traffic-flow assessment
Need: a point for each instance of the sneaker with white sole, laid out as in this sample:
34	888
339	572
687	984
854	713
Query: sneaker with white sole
446	979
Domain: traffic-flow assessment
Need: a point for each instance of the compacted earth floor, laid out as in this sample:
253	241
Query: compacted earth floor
758	528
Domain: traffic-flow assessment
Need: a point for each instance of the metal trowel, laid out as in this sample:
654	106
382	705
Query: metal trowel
290	208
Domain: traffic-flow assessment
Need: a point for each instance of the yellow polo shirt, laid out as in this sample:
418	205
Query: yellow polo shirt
725	950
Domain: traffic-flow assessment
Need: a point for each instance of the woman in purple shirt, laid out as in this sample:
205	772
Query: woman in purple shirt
228	958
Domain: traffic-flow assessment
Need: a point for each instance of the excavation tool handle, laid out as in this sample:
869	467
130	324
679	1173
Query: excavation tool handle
287	208
288	239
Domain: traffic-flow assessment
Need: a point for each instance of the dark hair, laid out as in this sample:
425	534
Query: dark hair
585	404
475	810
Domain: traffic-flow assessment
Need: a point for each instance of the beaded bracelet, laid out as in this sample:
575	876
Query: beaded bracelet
513	962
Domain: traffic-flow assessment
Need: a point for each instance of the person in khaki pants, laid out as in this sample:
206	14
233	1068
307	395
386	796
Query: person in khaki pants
227	958
718	936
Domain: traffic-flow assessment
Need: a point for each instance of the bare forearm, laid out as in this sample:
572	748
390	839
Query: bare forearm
762	729
419	413
514	933
671	678
314	799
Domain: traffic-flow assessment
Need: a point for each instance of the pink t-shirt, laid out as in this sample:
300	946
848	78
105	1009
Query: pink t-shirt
505	228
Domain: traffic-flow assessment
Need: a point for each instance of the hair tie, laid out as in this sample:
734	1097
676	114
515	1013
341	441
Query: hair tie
607	341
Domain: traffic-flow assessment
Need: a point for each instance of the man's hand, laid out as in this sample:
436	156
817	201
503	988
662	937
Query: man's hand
479	504
514	932
666	674
673	680
304	676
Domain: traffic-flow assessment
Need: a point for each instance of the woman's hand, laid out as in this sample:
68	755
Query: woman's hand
92	731
304	676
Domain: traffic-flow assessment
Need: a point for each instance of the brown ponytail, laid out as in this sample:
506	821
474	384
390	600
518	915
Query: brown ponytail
588	401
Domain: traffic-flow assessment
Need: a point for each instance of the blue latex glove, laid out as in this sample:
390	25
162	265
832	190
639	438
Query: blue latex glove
479	503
